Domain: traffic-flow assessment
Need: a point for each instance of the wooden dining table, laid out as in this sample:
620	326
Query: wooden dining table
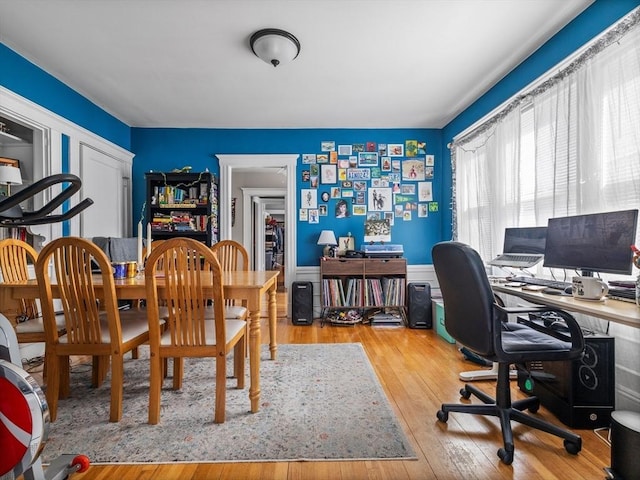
252	286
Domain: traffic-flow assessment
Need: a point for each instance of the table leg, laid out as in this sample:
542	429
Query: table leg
273	312
254	353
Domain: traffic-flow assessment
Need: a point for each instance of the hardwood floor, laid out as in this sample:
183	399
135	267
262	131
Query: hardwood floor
418	371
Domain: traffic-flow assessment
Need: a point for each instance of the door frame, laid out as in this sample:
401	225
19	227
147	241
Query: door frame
288	162
251	238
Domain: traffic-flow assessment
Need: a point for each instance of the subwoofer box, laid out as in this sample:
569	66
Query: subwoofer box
581	393
419	309
302	303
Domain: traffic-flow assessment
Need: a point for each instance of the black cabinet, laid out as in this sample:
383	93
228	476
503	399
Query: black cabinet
183	204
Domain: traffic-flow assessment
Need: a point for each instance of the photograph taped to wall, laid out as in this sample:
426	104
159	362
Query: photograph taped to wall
368	159
377	231
425	191
379	199
328	174
309	198
345	150
413	170
395	150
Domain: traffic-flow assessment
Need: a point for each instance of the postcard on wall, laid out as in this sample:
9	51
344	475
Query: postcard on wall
336	192
425	191
395	166
423	210
395	150
345	150
322	158
379	199
309	198
322	210
385	164
422	148
314	169
358	174
389	217
343	163
433	206
413	170
377	231
359	210
314	180
368	159
409	189
371	146
342	174
411	148
429	160
328	174
382	149
358	147
327	146
428	172
314	215
360	198
353	161
308	158
359	186
333	157
347	193
374	215
306	176
302	215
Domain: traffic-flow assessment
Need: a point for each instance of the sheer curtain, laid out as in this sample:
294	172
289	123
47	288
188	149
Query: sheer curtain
569	146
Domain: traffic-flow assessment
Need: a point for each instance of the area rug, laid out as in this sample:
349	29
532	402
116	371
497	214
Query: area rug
318	402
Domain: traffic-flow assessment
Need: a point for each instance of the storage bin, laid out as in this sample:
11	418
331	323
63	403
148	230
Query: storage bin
438	318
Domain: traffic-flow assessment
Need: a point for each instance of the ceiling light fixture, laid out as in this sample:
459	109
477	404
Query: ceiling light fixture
274	46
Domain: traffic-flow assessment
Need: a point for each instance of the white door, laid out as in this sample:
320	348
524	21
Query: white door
102	182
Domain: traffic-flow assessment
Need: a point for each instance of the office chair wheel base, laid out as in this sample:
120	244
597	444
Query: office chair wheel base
442	416
572	447
464	393
505	455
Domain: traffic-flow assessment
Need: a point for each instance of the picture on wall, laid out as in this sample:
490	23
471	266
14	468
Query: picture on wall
342	208
328	146
377	231
379	199
346	243
344	150
411	148
413	170
425	191
368	159
395	150
308	158
422	148
328	174
322	158
309	198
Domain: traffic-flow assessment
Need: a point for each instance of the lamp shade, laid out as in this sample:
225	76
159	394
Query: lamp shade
274	46
327	237
10	175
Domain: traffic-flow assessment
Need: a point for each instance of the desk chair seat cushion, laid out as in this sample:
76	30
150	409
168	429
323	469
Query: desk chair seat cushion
522	339
237	312
36	325
233	328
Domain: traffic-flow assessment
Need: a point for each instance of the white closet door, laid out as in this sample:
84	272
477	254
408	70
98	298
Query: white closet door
102	182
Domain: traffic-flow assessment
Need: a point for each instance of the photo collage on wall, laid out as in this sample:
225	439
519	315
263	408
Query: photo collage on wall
384	181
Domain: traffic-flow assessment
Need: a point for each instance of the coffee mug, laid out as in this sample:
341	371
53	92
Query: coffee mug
588	288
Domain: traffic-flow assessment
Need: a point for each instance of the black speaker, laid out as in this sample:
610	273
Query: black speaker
625	445
581	393
302	303
419	305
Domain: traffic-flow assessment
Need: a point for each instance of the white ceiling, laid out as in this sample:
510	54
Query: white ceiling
363	64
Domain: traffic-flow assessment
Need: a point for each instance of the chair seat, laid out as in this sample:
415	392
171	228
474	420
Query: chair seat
520	338
133	324
233	327
36	325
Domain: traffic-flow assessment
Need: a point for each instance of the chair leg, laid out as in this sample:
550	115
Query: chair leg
221	389
155	388
238	362
117	381
53	385
178	364
64	375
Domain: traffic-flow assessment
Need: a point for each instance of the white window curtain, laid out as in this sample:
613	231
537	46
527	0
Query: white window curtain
569	146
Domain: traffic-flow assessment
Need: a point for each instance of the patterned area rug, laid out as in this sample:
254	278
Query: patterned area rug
318	402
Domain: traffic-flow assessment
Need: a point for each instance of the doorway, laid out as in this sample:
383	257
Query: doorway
286	166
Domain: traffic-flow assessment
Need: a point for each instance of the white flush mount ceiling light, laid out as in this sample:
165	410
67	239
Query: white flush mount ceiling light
274	46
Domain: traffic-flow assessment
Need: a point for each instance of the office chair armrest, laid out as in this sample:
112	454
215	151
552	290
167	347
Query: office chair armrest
577	339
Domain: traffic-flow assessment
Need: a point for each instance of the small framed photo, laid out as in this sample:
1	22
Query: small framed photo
395	150
308	158
328	146
367	159
346	243
345	150
328	174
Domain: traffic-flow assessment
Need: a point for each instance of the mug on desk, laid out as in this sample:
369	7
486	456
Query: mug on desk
589	288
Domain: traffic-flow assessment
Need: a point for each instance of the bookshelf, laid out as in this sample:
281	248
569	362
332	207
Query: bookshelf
363	284
183	204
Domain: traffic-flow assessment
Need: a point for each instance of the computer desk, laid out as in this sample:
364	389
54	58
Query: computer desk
616	311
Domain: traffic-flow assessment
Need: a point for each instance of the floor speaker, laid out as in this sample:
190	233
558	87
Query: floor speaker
419	311
581	393
302	303
625	445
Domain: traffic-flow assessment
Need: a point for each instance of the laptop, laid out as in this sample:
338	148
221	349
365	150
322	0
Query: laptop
523	247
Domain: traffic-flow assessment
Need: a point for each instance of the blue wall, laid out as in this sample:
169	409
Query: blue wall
27	80
166	149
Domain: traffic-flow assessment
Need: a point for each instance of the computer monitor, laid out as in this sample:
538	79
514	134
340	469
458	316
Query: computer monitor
599	242
524	240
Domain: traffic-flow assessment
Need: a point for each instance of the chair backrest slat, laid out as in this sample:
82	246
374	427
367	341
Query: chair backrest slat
15	257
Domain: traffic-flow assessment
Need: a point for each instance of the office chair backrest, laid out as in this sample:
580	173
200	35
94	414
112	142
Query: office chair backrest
467	296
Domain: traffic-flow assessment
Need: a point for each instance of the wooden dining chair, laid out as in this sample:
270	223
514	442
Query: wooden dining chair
233	256
16	257
190	279
94	325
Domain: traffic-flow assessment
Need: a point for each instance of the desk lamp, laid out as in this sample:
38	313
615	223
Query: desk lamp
328	239
10	175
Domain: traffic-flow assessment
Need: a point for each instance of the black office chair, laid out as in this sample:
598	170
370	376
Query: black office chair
475	320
